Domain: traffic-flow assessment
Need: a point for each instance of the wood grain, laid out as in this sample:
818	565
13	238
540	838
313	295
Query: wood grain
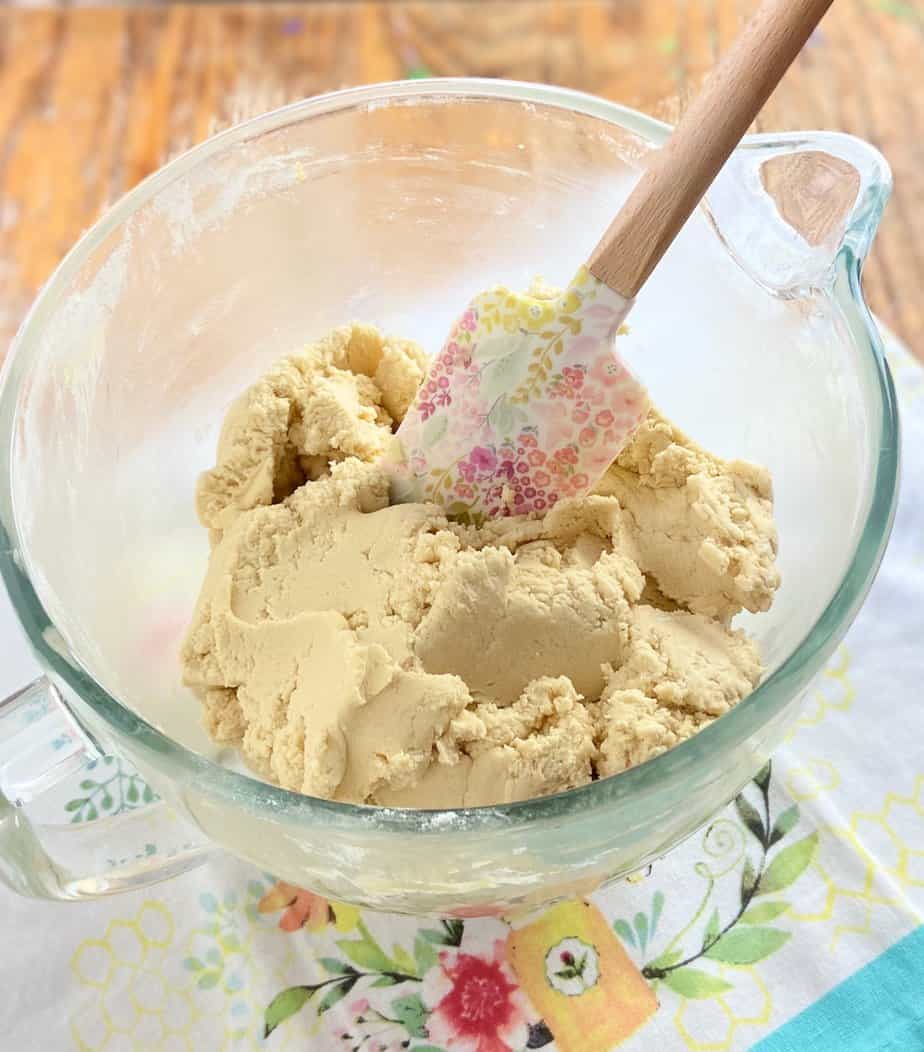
92	100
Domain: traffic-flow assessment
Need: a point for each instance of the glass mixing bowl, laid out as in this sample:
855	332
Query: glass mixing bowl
393	205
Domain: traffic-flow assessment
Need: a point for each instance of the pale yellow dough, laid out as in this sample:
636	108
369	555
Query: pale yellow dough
380	654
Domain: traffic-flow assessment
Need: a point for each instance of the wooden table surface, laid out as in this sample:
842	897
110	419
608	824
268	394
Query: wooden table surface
93	99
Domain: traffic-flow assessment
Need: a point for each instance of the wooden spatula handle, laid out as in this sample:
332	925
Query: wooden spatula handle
712	127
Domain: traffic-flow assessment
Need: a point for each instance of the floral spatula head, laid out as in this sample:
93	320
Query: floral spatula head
529	401
524	405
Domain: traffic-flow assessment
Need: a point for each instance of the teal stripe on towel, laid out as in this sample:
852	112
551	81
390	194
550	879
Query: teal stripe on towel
880	1008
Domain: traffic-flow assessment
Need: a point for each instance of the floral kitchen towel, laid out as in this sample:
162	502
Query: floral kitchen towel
791	922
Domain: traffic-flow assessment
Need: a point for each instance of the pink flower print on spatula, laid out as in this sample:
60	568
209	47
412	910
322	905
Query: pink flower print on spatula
483	460
520	381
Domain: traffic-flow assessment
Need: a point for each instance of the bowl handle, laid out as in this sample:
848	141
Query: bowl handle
75	824
787	205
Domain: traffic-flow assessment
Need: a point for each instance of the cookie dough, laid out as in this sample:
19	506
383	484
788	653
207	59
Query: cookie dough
382	654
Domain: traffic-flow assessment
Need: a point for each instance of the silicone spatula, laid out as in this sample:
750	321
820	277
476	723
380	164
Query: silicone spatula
528	401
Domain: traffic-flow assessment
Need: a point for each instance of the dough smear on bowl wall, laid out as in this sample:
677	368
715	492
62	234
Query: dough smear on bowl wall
366	652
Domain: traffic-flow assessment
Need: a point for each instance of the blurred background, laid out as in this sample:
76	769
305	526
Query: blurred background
93	99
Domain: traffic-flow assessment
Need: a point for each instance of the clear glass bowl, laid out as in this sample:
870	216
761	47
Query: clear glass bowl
393	204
